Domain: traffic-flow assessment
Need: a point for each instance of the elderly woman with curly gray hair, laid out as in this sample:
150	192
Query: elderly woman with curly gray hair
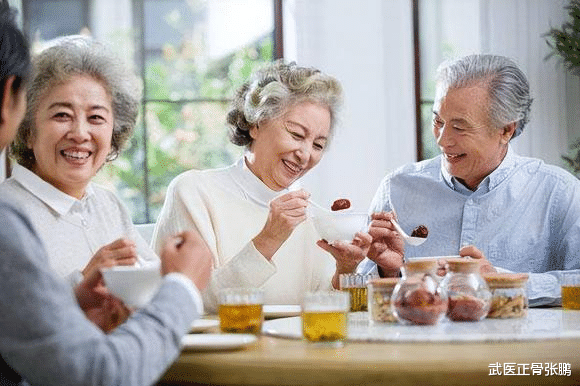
253	215
82	106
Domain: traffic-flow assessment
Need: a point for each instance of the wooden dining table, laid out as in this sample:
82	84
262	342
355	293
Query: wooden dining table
275	360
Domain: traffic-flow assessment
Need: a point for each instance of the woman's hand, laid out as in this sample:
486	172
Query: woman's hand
286	212
120	252
347	255
387	248
99	306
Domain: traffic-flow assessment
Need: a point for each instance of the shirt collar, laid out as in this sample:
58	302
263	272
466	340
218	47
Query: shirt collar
489	182
59	201
253	187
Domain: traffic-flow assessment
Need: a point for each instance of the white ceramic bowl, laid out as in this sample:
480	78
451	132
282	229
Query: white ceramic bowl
135	286
339	226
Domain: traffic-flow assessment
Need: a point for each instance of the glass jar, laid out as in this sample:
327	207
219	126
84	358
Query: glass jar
468	294
418	298
356	285
379	293
508	295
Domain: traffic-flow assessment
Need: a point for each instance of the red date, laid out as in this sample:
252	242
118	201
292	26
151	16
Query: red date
340	204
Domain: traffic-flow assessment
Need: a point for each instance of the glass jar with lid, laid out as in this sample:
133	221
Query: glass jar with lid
468	294
508	295
379	294
418	298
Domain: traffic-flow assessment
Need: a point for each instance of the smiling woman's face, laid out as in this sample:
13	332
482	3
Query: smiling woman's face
73	131
284	149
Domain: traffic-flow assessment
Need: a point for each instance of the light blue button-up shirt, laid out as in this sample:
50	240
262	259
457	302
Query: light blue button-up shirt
524	216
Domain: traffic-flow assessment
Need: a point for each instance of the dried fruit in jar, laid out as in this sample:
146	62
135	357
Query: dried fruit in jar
503	306
421	307
466	308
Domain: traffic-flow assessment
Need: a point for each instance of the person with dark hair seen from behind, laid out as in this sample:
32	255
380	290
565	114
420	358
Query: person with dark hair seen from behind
50	334
253	214
479	198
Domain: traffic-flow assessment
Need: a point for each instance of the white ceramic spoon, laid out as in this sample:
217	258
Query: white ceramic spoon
317	206
414	241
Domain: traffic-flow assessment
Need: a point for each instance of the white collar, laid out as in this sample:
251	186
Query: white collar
489	182
253	187
51	196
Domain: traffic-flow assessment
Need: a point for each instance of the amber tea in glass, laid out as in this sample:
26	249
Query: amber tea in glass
325	317
358	298
240	310
571	290
356	285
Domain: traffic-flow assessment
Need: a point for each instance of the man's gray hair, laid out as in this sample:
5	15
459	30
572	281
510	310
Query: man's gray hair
508	87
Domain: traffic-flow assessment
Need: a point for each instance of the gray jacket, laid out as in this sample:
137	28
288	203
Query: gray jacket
46	338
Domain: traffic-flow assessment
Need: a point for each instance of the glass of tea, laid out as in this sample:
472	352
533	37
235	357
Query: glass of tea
325	317
356	285
240	310
571	290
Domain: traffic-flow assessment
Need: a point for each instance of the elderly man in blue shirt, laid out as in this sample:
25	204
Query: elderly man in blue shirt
479	198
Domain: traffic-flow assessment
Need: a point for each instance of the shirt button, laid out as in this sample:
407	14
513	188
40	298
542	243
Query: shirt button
84	222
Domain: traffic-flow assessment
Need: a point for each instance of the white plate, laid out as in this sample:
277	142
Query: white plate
212	342
273	311
201	325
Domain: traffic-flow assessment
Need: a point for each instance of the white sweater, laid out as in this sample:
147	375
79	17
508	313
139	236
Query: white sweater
229	207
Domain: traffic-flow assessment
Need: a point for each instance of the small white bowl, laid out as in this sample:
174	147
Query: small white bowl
339	226
135	286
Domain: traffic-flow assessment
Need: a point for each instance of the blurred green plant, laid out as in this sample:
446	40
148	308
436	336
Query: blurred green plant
187	100
564	43
573	159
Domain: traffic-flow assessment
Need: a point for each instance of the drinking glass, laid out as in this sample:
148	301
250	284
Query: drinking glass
356	285
325	317
571	290
240	310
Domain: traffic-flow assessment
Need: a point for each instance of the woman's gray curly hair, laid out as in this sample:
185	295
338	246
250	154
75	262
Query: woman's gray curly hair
508	87
79	55
275	88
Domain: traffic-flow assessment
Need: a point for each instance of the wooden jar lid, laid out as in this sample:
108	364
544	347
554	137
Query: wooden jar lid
421	265
463	265
505	280
385	282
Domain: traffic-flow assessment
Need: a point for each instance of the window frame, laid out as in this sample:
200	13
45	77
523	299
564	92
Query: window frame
138	7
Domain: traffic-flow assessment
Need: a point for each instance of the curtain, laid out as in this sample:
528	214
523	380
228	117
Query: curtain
515	28
368	46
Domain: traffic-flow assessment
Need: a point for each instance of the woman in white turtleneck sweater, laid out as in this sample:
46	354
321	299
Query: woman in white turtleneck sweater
251	214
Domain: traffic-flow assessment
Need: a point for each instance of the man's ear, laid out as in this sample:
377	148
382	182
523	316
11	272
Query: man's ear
508	131
7	111
8	98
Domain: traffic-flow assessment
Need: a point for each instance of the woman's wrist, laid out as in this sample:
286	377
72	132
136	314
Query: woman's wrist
266	245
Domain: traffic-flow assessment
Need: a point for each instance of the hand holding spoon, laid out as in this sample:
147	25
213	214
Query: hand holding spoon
411	240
